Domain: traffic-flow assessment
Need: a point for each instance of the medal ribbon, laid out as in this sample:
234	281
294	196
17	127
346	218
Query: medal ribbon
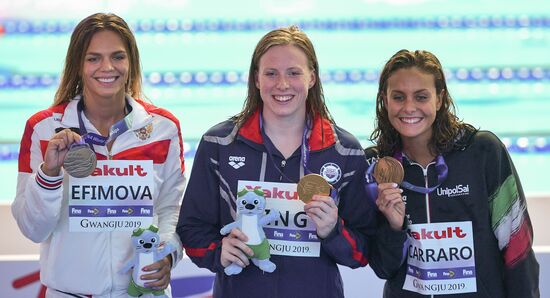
116	130
371	186
304	149
440	167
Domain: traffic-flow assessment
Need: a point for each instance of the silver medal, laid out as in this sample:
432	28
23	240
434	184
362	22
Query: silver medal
80	161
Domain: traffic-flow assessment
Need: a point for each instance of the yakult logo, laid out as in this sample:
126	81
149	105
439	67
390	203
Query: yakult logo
276	193
458	190
130	170
449	232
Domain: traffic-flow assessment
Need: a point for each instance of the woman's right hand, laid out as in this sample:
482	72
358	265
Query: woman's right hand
235	250
390	203
57	148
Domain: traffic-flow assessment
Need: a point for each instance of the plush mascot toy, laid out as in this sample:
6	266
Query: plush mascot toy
146	251
251	220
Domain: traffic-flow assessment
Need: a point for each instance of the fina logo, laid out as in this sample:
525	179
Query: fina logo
236	161
331	172
458	190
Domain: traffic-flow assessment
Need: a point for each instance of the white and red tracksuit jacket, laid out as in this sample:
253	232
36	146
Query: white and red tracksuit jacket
88	263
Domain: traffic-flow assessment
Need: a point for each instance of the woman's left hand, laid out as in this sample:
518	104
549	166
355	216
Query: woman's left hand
160	274
324	213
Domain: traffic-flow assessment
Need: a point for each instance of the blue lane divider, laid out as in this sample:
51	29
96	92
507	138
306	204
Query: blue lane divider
515	144
343	76
23	26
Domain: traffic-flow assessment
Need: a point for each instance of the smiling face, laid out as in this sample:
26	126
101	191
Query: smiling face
105	67
284	78
412	103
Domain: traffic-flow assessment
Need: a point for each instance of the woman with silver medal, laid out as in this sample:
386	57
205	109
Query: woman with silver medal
80	161
95	115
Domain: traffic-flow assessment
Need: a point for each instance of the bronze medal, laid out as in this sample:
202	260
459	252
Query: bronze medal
80	161
310	185
388	169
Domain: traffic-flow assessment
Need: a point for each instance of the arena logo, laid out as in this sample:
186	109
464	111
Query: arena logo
458	190
237	161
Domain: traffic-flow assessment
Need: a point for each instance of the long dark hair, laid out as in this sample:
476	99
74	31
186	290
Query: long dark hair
446	127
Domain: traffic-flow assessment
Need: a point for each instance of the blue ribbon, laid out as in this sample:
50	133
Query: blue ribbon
371	186
116	130
304	149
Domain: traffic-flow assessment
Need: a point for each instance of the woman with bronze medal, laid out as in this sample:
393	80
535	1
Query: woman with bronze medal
468	230
284	133
88	175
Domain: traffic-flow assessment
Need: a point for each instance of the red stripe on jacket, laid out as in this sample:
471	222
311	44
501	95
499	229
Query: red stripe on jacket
162	112
356	254
45	183
155	151
24	164
519	244
322	135
200	252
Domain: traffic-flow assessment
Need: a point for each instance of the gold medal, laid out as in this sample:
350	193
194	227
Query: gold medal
80	161
312	184
388	169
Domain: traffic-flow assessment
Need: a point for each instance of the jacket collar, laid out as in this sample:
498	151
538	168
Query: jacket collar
139	115
321	137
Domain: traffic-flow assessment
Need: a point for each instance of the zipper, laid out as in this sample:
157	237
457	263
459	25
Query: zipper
109	151
283	164
427	196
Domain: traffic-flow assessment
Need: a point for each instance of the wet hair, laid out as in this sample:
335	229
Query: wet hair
446	127
315	102
71	78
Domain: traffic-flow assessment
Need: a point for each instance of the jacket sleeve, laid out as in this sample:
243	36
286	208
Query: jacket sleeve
347	243
199	221
511	224
38	199
170	195
387	248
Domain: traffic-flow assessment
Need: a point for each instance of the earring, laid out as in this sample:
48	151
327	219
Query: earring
128	85
78	89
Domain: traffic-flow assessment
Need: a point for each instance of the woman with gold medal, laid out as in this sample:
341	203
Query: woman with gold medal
284	133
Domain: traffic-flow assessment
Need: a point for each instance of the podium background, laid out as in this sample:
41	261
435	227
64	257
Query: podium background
195	57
